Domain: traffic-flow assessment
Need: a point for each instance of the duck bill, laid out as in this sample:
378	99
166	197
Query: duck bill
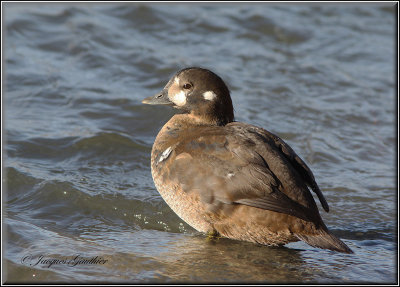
158	99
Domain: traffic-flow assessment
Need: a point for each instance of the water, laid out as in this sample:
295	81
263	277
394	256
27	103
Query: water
76	159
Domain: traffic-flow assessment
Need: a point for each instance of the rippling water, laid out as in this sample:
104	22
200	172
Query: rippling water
76	175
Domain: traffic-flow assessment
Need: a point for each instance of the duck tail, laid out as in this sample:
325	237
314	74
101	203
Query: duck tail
325	240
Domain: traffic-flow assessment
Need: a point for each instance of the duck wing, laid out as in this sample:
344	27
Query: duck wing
239	165
295	161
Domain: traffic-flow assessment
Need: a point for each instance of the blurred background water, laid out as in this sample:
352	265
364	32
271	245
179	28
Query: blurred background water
77	140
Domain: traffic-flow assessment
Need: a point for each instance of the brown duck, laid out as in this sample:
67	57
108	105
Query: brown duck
230	178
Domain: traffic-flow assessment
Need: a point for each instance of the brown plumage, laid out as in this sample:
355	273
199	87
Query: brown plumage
232	178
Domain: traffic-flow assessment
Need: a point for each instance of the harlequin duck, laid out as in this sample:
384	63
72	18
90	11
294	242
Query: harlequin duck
230	178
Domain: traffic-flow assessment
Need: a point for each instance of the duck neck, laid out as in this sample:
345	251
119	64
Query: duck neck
195	119
214	118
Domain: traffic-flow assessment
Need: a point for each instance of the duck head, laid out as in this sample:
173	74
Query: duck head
198	92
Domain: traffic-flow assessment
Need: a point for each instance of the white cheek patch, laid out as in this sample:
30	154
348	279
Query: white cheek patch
179	99
209	95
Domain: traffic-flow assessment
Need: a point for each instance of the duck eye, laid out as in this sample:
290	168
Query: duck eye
187	86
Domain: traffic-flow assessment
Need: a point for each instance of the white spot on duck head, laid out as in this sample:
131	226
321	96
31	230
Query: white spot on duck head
209	95
179	99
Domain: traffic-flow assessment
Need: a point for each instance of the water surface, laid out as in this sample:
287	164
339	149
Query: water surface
76	158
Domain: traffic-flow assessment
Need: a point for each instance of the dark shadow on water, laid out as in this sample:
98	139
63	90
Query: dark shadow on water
196	259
